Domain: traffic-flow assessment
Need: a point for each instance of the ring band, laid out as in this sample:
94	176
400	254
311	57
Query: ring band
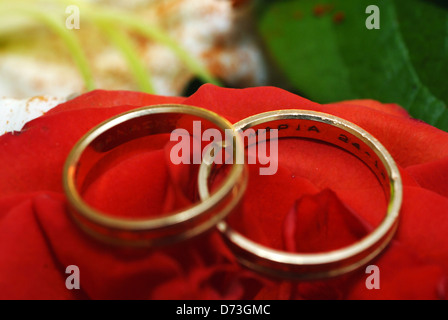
339	132
79	170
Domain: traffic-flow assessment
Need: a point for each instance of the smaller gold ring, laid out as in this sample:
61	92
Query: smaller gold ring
338	132
82	163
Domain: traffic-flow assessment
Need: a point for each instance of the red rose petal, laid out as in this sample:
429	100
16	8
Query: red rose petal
110	99
432	175
390	108
27	268
322	223
401	276
423	225
39	239
109	272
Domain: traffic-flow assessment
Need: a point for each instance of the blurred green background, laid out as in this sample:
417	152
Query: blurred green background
321	50
328	54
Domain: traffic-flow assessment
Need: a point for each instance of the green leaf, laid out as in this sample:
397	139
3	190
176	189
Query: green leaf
328	54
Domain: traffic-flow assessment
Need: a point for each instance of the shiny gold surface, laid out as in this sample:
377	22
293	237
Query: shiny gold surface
339	132
81	167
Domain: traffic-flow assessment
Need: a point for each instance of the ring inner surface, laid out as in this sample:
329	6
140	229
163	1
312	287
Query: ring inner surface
133	136
298	260
346	139
181	214
314	130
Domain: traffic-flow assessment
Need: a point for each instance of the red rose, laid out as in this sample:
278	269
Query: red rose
319	199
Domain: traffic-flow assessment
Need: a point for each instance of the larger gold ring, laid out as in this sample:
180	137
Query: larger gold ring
80	168
339	132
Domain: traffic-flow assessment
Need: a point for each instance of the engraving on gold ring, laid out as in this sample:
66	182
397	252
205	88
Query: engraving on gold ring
343	134
84	163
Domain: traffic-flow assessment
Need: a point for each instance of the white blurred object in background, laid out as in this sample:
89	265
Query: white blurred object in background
218	33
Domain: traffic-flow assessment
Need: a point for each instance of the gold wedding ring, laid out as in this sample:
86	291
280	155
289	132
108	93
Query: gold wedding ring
338	132
83	165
